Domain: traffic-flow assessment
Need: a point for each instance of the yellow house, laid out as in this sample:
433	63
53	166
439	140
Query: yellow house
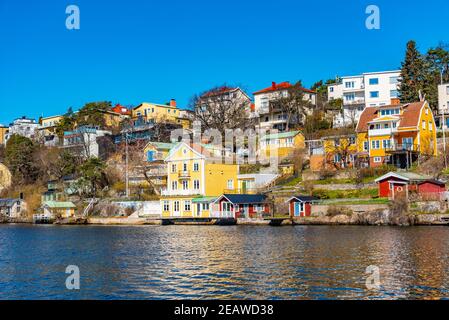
396	134
3	132
59	209
157	151
48	124
157	112
195	178
284	143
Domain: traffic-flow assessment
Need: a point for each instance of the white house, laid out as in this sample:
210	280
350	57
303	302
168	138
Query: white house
270	118
12	208
85	140
23	127
371	89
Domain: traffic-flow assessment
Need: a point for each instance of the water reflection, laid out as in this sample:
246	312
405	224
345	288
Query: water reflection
235	262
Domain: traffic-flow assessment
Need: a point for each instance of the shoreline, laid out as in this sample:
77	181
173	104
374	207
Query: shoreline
338	220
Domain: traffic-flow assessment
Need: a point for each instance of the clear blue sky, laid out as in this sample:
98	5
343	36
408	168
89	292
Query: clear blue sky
145	50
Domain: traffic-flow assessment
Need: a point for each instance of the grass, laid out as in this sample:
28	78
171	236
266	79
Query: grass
357	201
345	194
291	182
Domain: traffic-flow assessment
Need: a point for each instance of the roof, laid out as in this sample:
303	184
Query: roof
161	145
409	117
155	104
59	204
407	176
280	86
204	199
281	135
304	198
118	109
244	198
8	202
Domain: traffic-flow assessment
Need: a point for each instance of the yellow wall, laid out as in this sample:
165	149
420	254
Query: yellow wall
217	176
428	134
112	119
282	152
156	112
3	131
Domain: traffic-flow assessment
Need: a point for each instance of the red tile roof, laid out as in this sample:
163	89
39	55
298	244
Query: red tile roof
119	109
280	86
409	117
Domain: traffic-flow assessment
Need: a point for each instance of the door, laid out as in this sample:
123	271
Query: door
198	209
297	209
245	210
176	211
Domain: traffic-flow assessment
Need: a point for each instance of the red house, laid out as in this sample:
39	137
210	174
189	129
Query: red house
243	205
393	184
301	206
124	111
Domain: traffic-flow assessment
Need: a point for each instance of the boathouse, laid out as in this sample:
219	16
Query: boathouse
243	206
393	184
301	206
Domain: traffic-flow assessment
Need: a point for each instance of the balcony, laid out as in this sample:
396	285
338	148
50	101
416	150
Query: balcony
178	192
184	174
403	147
381	132
353	102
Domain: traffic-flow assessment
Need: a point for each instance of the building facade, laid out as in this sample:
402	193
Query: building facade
396	134
357	92
443	102
24	126
270	116
282	144
195	178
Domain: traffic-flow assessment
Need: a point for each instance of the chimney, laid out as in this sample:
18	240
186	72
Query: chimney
395	101
273	85
173	103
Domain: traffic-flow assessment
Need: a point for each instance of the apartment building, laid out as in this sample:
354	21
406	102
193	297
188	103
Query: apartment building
270	116
443	101
369	89
396	134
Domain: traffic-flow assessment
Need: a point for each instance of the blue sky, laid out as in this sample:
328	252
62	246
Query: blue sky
134	51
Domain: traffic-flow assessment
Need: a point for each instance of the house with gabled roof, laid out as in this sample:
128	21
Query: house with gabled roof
246	206
396	134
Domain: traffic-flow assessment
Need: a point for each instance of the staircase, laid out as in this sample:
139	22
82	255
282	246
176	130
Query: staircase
89	207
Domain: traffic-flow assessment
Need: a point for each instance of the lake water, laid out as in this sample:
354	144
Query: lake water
223	262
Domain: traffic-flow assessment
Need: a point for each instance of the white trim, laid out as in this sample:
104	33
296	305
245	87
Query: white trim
177	147
391	174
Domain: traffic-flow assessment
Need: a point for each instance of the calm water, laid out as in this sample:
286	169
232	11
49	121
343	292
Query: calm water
235	262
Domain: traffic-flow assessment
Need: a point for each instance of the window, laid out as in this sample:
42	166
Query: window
447	90
176	206
373	81
185	185
205	206
349	84
375	144
196	166
173	168
337	142
393	124
386	126
186	205
290	141
331	89
174	185
365	146
350	97
230	184
337	158
430	126
427	110
394	93
377	159
374	94
394	80
386	144
196	184
166	205
351	140
424	125
184	167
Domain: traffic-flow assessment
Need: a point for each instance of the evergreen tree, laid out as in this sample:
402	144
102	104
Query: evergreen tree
412	74
437	65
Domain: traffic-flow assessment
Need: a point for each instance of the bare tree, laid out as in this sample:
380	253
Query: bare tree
222	108
292	105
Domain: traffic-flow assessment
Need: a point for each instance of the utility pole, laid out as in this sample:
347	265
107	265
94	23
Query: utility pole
126	164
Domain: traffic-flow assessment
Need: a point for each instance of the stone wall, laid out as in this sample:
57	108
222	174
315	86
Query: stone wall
321	209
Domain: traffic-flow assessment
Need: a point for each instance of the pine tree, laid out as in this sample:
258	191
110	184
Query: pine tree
412	74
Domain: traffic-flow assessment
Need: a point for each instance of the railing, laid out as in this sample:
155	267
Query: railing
242	191
352	102
166	192
403	147
184	174
381	132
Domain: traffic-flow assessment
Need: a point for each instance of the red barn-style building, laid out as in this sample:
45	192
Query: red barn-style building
243	205
301	206
394	184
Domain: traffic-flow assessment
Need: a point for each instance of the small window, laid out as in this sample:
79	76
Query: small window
173	168
377	159
186	205
196	184
166	205
374	94
230	184
196	166
185	185
424	125
205	206
174	185
374	81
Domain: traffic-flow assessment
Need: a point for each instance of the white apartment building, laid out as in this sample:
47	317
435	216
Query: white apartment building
369	89
269	117
443	101
23	127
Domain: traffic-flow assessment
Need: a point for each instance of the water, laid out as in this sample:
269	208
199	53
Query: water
233	262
